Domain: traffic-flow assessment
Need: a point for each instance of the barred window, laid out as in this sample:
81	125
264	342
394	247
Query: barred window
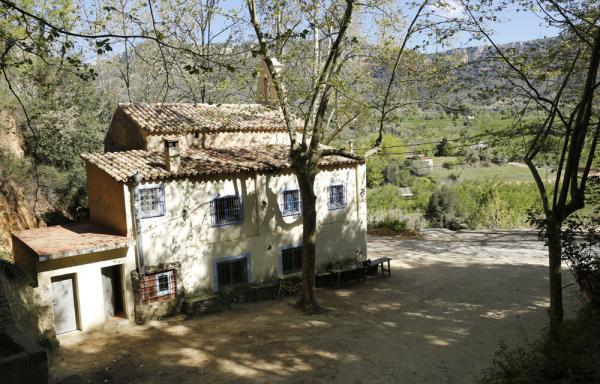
158	286
226	210
163	283
337	196
291	260
151	202
290	202
232	272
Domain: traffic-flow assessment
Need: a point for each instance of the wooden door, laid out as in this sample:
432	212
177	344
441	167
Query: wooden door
63	302
112	290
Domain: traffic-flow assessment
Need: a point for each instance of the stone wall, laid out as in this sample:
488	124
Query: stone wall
31	307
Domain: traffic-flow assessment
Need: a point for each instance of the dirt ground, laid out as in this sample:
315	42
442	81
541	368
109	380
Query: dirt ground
438	319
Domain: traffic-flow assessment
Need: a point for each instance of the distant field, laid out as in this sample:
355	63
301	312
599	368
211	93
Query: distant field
509	173
434	128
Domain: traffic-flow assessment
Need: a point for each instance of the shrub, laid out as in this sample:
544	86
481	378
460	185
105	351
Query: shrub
393	224
442	148
449	165
441	209
453	177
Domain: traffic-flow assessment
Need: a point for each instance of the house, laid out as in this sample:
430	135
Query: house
187	200
405	193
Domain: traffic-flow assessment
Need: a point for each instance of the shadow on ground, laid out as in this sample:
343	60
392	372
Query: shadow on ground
432	321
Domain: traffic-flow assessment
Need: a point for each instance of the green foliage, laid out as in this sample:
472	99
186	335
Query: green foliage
375	168
571	358
442	208
442	148
385	166
483	204
391	223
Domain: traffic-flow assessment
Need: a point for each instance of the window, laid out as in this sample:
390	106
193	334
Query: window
291	260
337	196
163	283
290	202
226	210
158	286
151	202
232	272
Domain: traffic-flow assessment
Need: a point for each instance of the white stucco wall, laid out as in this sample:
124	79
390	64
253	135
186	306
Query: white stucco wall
36	302
88	282
185	234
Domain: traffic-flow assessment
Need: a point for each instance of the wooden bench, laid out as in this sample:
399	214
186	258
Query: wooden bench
338	271
381	263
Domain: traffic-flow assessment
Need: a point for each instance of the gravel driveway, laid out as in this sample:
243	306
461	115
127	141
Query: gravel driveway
438	319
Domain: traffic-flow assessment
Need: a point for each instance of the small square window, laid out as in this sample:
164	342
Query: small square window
151	202
163	283
291	260
226	210
337	196
290	202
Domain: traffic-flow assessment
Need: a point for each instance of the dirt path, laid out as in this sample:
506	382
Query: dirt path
438	319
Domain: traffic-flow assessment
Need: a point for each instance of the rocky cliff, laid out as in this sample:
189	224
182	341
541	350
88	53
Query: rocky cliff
16	203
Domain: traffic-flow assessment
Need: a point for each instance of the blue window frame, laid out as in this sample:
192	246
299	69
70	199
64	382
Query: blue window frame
291	203
151	201
337	196
226	210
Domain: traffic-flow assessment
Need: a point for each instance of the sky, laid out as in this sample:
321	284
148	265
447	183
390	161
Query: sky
512	26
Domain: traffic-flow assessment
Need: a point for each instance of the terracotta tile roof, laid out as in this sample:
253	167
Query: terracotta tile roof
199	162
60	241
159	118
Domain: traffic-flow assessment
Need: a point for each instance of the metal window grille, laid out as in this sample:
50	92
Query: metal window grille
152	202
158	286
232	272
290	202
291	260
226	210
337	196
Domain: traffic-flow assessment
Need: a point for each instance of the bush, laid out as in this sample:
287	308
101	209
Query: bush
442	148
453	177
393	224
449	164
441	209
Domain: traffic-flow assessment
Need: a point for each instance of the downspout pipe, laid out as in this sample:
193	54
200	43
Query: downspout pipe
136	181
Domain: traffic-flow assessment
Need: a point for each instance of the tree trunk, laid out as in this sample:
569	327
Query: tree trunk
306	181
555	260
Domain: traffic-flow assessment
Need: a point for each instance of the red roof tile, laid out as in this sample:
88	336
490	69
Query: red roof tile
199	162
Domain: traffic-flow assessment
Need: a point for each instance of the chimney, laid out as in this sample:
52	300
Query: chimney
266	94
171	154
351	146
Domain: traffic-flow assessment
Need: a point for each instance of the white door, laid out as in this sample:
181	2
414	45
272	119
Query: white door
65	313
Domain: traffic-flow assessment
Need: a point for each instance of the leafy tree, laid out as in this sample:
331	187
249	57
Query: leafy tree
305	151
442	208
442	148
558	81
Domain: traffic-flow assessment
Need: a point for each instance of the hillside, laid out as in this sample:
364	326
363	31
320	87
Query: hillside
16	203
